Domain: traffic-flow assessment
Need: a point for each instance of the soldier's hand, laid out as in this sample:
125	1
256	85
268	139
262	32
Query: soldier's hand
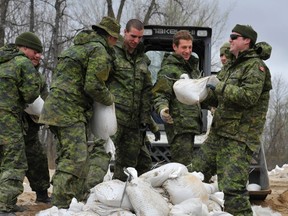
157	135
212	82
165	116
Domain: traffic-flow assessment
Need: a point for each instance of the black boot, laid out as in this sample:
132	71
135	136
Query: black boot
42	196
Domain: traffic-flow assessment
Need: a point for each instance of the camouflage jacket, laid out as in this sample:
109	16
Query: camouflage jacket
78	80
20	85
130	82
243	96
186	118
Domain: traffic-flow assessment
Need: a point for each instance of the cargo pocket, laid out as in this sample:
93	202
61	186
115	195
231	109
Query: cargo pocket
227	122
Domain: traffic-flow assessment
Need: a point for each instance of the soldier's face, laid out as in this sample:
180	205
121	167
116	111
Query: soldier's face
223	59
132	38
238	43
112	41
33	55
184	48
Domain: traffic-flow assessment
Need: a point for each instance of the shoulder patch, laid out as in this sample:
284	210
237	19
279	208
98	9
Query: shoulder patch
262	68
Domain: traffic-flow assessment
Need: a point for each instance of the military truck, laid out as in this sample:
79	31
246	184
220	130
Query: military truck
157	41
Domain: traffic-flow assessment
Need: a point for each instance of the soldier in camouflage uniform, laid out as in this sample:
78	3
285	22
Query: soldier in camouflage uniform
225	54
131	84
78	81
20	85
242	96
182	121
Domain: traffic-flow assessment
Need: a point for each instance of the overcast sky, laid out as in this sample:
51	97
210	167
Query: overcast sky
269	20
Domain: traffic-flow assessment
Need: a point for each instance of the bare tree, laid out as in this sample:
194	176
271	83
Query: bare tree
3	12
276	129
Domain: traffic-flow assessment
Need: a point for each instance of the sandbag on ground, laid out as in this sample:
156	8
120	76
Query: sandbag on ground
159	175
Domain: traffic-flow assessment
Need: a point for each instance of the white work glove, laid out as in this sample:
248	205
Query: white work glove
212	82
165	116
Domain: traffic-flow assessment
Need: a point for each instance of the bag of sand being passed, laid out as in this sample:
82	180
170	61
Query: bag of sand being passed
191	91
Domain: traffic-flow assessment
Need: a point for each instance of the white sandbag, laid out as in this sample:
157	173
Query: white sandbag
36	107
219	213
191	91
159	175
104	210
146	201
110	148
253	187
185	187
109	193
211	187
264	211
75	206
218	197
103	122
192	206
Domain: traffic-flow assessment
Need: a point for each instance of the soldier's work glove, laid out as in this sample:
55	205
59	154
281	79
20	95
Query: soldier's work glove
157	135
212	82
165	116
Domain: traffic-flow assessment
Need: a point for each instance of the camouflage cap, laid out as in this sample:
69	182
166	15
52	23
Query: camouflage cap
246	31
110	25
225	48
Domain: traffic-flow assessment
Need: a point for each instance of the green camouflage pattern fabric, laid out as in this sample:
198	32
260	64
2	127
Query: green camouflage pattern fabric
20	85
187	118
242	97
263	49
72	164
130	82
230	160
98	163
79	78
38	172
131	151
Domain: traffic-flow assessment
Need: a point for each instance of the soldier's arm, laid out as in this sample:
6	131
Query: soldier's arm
162	90
250	89
30	80
97	74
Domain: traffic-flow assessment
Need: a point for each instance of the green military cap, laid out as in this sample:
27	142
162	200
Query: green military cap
30	40
225	49
246	31
110	25
264	50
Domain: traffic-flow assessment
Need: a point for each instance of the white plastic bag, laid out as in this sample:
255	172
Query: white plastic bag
103	122
36	107
191	91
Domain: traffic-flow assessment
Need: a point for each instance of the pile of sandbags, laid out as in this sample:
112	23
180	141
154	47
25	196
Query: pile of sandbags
167	190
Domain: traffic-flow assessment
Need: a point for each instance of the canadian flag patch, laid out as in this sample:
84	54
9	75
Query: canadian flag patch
262	68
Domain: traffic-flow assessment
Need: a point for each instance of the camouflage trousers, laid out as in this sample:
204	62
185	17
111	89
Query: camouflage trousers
13	165
38	172
181	148
98	163
72	164
131	151
230	160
